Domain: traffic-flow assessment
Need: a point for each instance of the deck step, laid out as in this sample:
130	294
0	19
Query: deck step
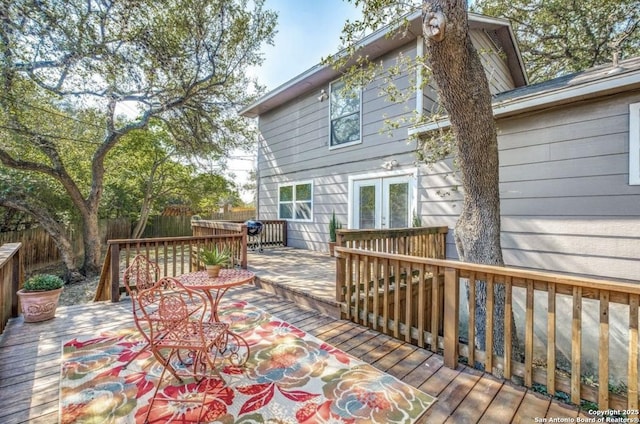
325	306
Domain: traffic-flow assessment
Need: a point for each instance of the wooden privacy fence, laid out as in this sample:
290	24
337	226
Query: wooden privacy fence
556	316
174	255
429	242
11	277
39	249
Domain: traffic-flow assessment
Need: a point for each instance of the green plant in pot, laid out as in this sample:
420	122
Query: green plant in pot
334	225
39	297
214	259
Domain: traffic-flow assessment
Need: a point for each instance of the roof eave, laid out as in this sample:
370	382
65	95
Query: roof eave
615	83
375	45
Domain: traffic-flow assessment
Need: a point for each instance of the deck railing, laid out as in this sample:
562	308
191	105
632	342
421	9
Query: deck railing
418	300
11	276
174	255
274	231
428	242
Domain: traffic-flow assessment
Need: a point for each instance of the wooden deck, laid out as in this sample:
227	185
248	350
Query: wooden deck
30	364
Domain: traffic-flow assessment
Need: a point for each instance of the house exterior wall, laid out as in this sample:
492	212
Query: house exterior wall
565	198
294	147
566	204
496	69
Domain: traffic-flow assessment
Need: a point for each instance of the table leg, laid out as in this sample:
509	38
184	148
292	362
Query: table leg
226	350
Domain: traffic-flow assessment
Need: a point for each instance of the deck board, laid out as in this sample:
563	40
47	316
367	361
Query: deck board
30	364
476	401
504	405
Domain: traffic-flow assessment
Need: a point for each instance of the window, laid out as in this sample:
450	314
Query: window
295	201
344	115
634	144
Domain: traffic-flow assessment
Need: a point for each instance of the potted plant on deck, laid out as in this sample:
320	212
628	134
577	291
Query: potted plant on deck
39	297
214	259
334	225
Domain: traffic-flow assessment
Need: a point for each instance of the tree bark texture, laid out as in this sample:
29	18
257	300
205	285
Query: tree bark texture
463	90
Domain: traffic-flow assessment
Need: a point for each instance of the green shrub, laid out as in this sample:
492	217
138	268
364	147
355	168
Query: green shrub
334	225
43	282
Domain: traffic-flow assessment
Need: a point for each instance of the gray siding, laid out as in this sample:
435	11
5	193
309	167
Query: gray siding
565	199
566	203
495	67
295	147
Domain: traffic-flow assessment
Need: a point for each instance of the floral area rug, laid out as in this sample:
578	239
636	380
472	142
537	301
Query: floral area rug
290	377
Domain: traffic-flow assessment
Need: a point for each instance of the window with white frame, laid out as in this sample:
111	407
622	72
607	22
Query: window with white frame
295	201
634	144
344	112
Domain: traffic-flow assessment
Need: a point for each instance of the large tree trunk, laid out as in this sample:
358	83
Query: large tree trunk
464	92
57	232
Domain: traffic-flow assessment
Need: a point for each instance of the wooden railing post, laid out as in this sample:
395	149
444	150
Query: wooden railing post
115	272
340	275
451	317
245	237
17	277
284	233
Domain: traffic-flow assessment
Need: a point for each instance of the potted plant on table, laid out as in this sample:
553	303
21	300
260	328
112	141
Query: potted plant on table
214	259
334	225
39	297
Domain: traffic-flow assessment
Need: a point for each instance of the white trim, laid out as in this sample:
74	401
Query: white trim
412	172
293	184
544	99
634	144
419	89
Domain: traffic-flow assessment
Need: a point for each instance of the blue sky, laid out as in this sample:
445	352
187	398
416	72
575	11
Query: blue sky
307	31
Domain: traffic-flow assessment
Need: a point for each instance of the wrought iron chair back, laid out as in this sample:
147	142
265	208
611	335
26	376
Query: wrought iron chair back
141	274
178	331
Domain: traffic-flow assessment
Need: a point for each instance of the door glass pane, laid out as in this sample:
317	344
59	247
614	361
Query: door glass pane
398	205
367	218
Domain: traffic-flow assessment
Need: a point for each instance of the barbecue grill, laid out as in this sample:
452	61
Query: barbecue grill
254	228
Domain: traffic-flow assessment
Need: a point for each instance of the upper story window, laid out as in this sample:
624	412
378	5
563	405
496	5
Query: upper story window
634	144
344	115
295	201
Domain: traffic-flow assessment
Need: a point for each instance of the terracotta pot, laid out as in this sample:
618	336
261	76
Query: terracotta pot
213	270
332	244
39	306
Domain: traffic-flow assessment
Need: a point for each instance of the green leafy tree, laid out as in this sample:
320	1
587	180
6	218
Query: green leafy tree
144	169
182	62
557	37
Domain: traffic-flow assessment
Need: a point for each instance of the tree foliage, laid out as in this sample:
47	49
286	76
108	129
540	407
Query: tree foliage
557	37
71	69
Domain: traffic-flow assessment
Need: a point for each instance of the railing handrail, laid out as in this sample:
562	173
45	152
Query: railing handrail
110	275
368	234
506	271
12	272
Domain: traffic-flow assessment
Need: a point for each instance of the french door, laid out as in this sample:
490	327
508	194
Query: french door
384	202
